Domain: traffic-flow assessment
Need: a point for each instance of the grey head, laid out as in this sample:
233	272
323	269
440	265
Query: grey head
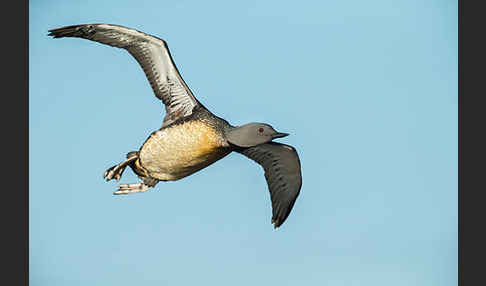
252	134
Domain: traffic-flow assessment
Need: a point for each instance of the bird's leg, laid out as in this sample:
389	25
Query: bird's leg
141	187
116	171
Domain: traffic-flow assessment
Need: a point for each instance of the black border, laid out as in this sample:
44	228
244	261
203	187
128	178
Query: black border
15	141
471	143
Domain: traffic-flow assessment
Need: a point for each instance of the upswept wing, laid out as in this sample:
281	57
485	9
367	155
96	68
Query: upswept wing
282	171
153	56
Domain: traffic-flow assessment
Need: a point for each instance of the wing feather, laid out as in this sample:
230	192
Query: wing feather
282	172
153	56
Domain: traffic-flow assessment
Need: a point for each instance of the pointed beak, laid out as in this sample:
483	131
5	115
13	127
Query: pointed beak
279	135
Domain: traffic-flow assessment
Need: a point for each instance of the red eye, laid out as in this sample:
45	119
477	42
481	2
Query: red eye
260	130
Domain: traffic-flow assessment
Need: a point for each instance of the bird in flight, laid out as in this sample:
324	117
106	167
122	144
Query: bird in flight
191	137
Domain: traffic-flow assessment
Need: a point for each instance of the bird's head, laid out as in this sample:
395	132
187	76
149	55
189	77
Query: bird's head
252	134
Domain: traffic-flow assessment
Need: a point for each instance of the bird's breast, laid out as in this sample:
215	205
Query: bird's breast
180	150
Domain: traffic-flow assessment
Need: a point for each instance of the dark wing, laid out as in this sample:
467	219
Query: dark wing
153	56
282	172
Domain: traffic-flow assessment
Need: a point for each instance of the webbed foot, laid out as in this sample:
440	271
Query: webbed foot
116	171
141	187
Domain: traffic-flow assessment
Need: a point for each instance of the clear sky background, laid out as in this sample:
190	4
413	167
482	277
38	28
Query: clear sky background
366	89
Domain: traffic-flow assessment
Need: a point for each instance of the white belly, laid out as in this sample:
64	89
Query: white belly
173	153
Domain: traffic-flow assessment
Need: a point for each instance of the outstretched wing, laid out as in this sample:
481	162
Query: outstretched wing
153	56
282	172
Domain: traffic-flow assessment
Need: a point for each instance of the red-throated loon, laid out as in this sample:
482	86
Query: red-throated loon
191	137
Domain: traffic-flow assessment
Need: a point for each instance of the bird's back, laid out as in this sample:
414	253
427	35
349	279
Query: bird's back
183	148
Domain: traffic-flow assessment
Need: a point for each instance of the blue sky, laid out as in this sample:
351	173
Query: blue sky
366	89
